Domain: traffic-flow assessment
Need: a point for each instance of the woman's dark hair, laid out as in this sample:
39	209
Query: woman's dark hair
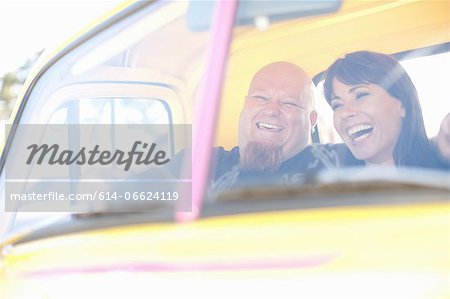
364	67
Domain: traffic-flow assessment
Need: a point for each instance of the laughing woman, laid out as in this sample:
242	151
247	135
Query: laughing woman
377	111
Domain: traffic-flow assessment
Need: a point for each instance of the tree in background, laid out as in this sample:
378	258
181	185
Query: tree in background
11	84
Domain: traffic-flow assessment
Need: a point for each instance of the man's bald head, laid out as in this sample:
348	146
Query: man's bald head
278	113
286	76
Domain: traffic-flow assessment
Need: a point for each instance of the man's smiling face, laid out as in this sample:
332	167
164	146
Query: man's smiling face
278	109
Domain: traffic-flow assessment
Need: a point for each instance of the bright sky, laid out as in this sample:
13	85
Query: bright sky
29	26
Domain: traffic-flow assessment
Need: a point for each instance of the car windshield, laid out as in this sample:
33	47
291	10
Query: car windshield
127	80
276	128
266	135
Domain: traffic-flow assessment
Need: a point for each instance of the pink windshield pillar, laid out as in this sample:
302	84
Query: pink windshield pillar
205	118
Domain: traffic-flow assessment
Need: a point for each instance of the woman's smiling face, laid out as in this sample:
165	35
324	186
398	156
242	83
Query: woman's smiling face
368	119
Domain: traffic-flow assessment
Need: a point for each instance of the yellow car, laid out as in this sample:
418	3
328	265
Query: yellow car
182	63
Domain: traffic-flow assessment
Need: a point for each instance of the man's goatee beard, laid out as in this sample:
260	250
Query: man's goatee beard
260	157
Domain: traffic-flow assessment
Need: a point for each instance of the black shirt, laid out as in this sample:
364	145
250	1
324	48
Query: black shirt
226	173
300	169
